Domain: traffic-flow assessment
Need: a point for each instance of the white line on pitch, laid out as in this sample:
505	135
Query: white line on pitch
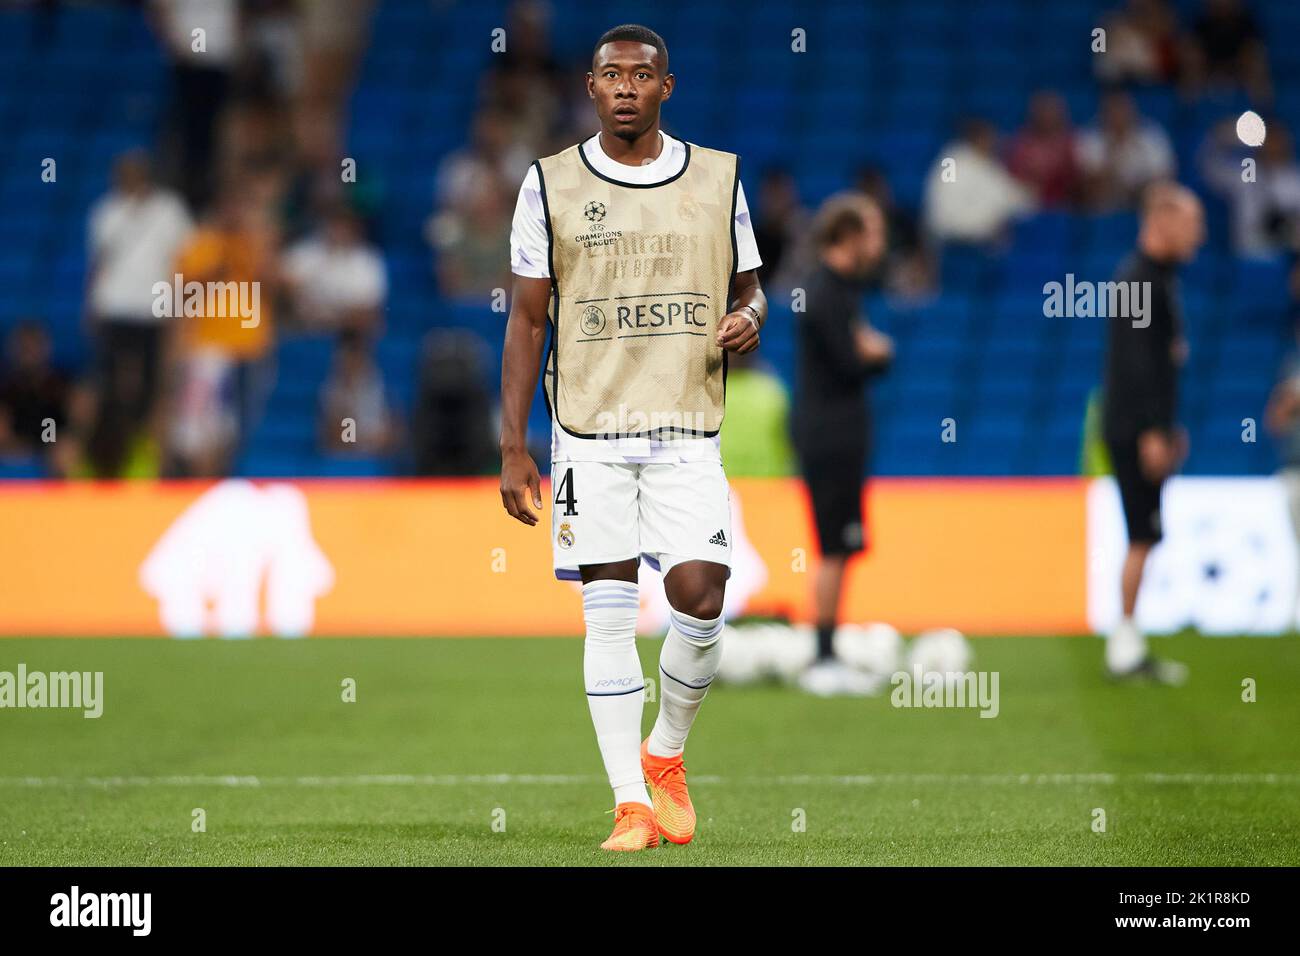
851	780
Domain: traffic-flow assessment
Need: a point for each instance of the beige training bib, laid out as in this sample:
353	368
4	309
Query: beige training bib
641	277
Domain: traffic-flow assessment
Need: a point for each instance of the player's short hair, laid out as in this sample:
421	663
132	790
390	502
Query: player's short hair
843	215
637	34
1162	194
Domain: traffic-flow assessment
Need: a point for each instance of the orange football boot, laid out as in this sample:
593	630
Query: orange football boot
634	828
666	778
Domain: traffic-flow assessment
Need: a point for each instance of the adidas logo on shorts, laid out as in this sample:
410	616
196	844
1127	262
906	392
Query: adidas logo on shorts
719	539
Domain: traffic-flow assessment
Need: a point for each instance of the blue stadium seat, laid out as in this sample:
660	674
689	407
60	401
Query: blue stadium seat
883	82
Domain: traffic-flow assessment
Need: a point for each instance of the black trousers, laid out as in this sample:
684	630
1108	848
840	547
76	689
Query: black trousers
128	365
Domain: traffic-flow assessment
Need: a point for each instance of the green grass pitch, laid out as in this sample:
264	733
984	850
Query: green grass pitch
481	752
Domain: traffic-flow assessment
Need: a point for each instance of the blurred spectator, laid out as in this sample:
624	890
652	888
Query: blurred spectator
204	428
1226	48
335	279
267	81
223	372
134	234
1265	210
781	220
528	50
908	269
969	195
525	82
313	185
102	439
756	443
453	428
490	155
118	447
354	393
202	38
1042	154
472	244
335	32
1141	44
334	36
33	392
1121	153
275	42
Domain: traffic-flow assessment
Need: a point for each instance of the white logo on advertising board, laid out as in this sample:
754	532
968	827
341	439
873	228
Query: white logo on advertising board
1227	564
238	541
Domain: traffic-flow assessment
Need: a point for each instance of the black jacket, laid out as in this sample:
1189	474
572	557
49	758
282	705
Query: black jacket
1141	384
830	399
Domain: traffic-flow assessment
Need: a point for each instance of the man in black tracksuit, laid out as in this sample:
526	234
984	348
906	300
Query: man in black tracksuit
838	352
1145	350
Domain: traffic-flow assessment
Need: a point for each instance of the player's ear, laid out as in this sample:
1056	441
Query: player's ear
591	85
670	81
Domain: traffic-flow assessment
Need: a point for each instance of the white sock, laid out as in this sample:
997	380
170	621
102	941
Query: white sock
1126	646
687	665
615	684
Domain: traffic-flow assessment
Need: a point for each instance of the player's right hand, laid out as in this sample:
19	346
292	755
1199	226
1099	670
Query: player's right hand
1157	454
874	347
520	484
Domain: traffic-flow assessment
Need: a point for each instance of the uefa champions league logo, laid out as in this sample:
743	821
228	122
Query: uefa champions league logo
594	211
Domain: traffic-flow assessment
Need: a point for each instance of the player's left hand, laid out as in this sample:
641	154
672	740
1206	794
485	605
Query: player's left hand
738	332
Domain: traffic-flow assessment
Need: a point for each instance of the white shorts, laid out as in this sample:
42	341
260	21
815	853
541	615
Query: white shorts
668	512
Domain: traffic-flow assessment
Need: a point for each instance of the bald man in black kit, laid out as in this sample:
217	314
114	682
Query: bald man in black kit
1146	446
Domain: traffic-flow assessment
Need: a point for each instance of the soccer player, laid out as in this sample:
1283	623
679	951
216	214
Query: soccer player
1146	446
838	352
637	249
1282	417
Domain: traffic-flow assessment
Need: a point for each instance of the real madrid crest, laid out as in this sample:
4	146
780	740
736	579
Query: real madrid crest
565	536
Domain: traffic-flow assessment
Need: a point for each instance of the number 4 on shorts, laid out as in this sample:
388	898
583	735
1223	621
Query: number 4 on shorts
564	493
